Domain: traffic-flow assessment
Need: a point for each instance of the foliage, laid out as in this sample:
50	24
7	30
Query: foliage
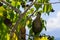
13	16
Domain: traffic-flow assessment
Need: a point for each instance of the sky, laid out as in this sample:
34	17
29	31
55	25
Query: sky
53	21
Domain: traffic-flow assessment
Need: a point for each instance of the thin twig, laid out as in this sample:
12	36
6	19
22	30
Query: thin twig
54	2
31	15
47	3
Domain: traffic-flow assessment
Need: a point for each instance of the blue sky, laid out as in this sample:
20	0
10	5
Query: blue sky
53	21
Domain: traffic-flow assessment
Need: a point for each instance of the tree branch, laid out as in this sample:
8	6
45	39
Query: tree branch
46	3
20	17
32	14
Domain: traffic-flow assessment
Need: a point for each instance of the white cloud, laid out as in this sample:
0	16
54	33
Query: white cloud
53	22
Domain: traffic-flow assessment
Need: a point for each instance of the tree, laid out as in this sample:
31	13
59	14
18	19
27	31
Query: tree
13	20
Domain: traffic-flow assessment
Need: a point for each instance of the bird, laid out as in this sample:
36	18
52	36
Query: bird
37	24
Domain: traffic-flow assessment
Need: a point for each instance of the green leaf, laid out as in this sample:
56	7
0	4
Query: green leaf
2	9
46	1
5	6
11	15
18	4
29	25
47	8
31	10
1	20
8	1
43	24
38	6
31	32
5	14
13	3
43	1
